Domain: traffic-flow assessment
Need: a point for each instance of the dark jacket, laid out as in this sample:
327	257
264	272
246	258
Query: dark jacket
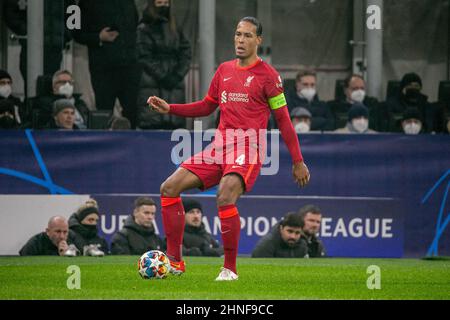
19	106
81	236
119	15
45	106
198	242
322	118
135	239
273	246
165	60
56	34
39	245
431	114
378	115
314	245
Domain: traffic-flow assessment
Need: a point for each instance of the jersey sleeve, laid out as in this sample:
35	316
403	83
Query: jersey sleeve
273	90
213	92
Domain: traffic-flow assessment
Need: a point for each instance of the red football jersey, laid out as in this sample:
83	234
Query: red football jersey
243	94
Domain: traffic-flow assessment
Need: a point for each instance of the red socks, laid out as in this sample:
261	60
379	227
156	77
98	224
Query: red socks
230	229
173	221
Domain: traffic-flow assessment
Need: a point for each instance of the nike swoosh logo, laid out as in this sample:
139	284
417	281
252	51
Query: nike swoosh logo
226	79
222	232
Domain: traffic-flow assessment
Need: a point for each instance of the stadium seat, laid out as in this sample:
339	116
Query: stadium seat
289	84
393	87
339	93
44	85
99	119
444	92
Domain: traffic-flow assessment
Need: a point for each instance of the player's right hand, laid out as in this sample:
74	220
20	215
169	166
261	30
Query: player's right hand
301	174
159	105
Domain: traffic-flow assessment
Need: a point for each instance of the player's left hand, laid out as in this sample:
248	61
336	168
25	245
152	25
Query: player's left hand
301	173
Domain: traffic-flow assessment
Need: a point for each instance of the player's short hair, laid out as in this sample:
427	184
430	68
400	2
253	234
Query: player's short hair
305	73
350	77
143	201
255	22
291	219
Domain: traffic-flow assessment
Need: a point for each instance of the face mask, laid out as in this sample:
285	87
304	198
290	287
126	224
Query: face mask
7	122
358	95
412	128
302	127
163	11
360	125
308	93
5	90
66	90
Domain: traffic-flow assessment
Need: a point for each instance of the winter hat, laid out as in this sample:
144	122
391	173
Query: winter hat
81	214
410	78
358	110
412	113
4	75
300	112
61	104
190	204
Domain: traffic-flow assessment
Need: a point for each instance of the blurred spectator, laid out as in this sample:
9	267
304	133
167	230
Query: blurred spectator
301	120
138	233
7	115
63	116
108	29
6	95
358	120
119	123
164	54
410	95
62	84
305	96
311	217
412	121
355	92
56	35
52	242
83	230
197	241
283	241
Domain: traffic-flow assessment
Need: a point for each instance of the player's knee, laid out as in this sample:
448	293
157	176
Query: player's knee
224	198
168	189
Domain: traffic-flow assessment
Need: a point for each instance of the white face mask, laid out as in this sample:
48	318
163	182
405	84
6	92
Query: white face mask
412	128
5	90
66	90
308	93
358	95
360	124
302	127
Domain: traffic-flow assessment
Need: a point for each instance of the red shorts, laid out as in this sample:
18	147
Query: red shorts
209	170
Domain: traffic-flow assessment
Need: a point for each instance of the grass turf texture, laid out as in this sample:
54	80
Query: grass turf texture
116	277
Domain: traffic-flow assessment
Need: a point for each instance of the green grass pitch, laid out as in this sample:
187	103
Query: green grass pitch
116	277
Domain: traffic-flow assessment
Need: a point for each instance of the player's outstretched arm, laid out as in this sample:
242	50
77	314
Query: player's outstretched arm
299	169
195	109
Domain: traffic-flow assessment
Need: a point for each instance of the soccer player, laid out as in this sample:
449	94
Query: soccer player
245	89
